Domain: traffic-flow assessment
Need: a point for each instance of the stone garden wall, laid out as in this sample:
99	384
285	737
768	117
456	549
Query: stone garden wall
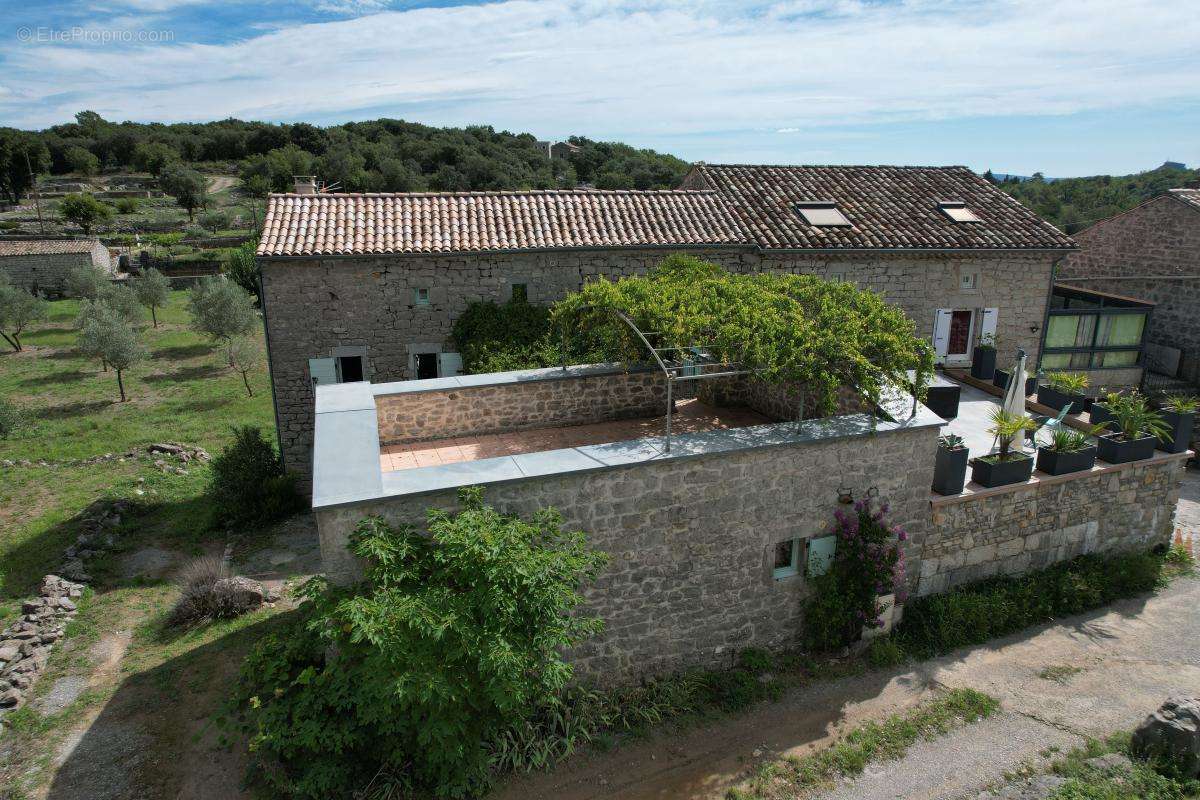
521	405
691	539
1015	529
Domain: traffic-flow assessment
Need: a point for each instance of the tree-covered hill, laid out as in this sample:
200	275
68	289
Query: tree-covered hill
1075	203
380	155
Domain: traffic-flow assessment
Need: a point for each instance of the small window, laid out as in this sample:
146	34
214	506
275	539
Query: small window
822	214
350	369
957	212
968	280
421	296
520	292
786	559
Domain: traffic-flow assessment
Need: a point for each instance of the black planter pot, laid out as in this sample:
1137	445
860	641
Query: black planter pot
1180	437
983	363
1000	378
1116	450
1100	414
950	470
1049	396
1001	473
1053	462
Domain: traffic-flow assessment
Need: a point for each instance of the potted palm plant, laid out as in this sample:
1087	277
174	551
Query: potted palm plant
1135	429
1062	388
983	359
950	468
1179	414
1004	467
1069	451
1100	411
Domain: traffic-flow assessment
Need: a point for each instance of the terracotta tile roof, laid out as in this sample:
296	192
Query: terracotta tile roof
888	208
1189	196
364	224
42	247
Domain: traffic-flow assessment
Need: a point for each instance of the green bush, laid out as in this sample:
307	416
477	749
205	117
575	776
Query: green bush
977	612
498	338
249	485
416	672
884	652
127	205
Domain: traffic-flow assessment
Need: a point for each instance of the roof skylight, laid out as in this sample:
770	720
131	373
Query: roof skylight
822	213
957	211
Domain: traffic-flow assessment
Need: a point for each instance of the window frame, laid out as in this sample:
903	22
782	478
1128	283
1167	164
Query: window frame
804	206
1098	307
512	292
794	567
957	212
417	299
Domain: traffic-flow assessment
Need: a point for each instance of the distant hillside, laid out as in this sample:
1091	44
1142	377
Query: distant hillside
1075	203
381	155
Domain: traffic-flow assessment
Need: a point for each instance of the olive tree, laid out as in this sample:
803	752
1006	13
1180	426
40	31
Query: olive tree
86	281
245	355
18	308
152	290
187	186
123	301
84	210
115	342
221	310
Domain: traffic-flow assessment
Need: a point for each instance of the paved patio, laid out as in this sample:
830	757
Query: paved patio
974	418
691	416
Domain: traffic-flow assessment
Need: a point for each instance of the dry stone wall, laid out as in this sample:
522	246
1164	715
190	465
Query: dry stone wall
1151	253
1030	527
690	540
315	305
422	415
47	273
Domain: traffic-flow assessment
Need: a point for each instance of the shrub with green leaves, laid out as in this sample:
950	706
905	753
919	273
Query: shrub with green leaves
85	281
221	310
498	338
977	612
449	642
152	289
1067	382
249	485
11	417
18	309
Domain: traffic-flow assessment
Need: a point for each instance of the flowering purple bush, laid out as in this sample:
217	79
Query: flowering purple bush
867	563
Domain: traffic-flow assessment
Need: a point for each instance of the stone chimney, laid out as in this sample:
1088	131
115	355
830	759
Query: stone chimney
305	184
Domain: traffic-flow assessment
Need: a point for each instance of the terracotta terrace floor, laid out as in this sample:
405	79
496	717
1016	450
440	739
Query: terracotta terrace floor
691	416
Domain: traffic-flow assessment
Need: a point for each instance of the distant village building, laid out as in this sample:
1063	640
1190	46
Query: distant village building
41	265
557	150
1151	252
366	287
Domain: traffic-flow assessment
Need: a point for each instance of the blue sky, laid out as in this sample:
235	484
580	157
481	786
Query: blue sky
1068	87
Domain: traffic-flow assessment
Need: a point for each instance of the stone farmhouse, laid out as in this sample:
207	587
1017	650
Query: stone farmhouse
1151	252
366	287
41	265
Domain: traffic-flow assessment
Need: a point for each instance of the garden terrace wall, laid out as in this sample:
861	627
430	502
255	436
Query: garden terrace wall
776	401
690	534
1011	530
431	409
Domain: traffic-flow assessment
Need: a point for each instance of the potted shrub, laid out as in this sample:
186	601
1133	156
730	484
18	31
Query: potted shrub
1000	379
1135	430
1179	414
983	359
1004	467
950	469
1069	451
1062	388
1101	408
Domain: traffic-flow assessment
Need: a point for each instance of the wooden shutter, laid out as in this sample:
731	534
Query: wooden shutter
941	333
323	371
988	328
449	364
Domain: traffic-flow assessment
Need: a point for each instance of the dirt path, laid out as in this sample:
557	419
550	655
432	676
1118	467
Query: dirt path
221	182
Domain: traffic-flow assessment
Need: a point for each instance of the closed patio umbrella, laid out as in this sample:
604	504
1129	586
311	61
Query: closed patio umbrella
1014	398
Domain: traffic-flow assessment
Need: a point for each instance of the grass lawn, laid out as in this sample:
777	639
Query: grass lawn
181	393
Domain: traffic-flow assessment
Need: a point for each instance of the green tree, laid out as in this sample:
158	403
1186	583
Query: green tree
81	161
123	301
214	221
23	156
452	637
245	355
152	289
84	210
241	267
18	308
117	345
85	281
187	186
154	157
221	310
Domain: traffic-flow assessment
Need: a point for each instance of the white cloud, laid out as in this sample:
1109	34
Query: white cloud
648	68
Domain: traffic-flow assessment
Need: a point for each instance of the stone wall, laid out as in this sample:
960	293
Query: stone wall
779	402
47	273
690	540
315	305
471	411
1151	253
1017	529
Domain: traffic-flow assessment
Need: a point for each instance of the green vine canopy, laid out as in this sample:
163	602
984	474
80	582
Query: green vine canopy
797	330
